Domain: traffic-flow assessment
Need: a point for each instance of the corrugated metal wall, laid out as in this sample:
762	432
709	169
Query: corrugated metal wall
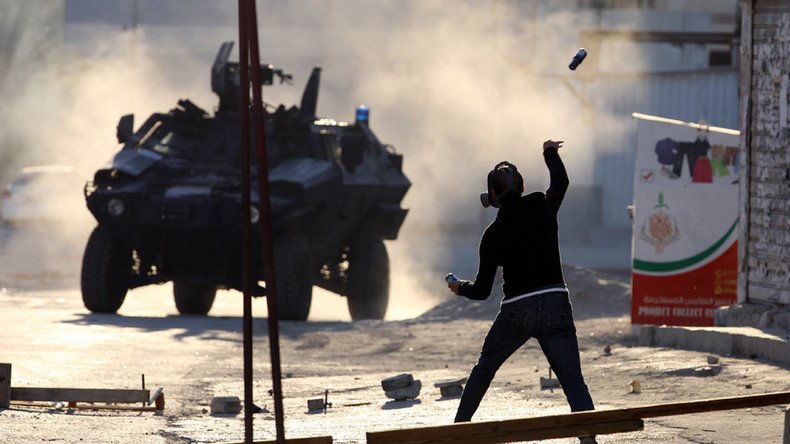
711	96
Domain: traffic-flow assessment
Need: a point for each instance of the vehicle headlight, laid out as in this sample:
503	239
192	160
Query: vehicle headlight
115	207
255	215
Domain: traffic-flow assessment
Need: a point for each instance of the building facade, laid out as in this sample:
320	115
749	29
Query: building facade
764	243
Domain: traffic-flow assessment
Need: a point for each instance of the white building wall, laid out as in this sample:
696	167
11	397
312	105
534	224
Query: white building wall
710	96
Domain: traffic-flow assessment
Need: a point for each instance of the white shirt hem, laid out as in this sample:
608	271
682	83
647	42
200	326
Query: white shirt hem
535	293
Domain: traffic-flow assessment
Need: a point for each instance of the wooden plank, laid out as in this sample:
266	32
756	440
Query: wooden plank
698	406
5	385
78	395
310	440
448	433
75	406
495	436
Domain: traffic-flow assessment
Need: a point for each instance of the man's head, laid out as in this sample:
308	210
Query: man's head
504	183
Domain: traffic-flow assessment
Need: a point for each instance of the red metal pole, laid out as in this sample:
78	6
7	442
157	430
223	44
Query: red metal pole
266	222
244	110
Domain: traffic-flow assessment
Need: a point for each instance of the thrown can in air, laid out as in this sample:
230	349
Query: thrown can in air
450	278
578	59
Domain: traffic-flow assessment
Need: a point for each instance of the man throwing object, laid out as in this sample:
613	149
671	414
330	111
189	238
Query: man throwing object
523	240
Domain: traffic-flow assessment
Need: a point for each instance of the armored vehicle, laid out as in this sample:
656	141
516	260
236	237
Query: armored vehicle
168	205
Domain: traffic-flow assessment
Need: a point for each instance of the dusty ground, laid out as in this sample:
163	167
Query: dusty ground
52	341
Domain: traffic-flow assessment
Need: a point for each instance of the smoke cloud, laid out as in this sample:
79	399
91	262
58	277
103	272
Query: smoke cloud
455	86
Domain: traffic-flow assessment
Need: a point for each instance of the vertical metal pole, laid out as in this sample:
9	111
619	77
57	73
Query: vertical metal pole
244	109
786	436
266	222
5	385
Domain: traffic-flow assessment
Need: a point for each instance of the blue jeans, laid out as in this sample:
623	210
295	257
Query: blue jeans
548	318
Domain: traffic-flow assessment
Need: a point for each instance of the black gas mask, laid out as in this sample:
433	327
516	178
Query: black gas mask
502	180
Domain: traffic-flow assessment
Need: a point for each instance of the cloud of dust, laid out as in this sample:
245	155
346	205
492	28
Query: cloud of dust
62	108
455	86
458	90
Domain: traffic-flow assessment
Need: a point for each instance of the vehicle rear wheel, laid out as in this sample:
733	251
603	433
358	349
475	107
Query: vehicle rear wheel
294	272
194	298
368	281
106	267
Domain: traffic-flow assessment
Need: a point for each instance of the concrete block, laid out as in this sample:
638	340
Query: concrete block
315	404
711	341
744	342
451	387
647	335
451	390
225	405
549	383
721	315
771	348
397	382
411	391
741	315
782	320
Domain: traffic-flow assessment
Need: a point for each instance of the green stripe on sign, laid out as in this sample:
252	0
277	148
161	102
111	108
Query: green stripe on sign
683	263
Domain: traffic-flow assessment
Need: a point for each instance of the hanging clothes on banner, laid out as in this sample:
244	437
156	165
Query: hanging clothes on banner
685	222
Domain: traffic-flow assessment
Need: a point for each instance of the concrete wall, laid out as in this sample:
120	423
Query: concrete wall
765	257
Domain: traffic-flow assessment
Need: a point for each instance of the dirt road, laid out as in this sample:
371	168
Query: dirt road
52	341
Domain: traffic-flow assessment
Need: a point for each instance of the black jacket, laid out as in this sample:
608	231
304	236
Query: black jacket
523	240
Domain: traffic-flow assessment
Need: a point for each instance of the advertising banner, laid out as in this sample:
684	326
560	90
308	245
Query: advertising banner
685	222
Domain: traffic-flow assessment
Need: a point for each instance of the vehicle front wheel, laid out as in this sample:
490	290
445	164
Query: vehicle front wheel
193	298
106	268
368	281
293	269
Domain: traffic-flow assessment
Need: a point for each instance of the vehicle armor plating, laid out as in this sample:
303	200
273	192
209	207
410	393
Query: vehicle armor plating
168	205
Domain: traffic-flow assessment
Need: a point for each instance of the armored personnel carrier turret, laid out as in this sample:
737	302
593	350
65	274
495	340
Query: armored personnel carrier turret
168	205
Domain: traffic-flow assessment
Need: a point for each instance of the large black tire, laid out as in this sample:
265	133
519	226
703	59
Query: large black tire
106	268
194	298
368	281
294	273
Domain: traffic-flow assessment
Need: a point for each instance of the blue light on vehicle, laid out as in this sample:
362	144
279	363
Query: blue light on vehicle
363	115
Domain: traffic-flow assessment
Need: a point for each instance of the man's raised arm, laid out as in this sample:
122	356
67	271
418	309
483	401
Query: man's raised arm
558	176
